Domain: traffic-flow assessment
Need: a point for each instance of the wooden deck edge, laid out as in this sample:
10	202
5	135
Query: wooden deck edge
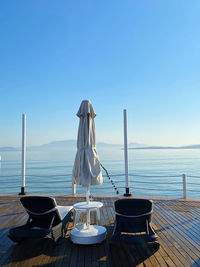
106	196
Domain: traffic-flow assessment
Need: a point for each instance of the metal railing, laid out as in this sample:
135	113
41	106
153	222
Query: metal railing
184	184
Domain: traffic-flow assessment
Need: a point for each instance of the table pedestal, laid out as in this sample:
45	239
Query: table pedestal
87	234
91	235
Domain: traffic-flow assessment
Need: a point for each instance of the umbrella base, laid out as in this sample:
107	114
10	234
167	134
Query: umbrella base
92	235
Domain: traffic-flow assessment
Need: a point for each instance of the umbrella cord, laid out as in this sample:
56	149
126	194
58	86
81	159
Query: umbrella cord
107	174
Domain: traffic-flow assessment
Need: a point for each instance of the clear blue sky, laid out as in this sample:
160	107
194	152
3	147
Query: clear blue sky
140	55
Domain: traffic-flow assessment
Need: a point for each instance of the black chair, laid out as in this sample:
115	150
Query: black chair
132	223
46	219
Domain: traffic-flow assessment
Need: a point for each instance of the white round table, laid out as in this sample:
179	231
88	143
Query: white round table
84	207
87	234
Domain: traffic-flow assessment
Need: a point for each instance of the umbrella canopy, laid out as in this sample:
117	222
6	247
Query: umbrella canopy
86	170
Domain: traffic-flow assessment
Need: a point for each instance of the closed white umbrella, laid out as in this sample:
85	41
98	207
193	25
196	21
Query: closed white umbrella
86	172
87	169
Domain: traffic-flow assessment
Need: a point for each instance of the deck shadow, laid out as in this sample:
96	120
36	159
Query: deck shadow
42	250
131	254
60	255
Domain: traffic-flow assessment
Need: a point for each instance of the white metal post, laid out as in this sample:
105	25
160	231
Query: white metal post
23	153
126	155
184	187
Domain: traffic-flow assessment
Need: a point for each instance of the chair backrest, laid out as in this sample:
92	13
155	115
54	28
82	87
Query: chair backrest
41	210
133	215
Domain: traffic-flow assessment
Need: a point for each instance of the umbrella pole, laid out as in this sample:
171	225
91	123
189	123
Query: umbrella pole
88	211
87	194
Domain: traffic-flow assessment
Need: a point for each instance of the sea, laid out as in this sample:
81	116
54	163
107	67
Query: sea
152	172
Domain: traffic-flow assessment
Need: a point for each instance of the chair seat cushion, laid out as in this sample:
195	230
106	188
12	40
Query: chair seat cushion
64	210
17	234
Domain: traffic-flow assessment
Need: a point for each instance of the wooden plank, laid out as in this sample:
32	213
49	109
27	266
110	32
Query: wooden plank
179	232
73	256
66	249
81	257
189	219
171	241
161	253
103	250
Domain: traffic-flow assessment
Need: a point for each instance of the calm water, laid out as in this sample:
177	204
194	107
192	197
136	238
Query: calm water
50	171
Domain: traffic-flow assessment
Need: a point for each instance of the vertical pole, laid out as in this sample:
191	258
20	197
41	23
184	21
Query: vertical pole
73	188
87	195
184	187
88	210
126	156
23	154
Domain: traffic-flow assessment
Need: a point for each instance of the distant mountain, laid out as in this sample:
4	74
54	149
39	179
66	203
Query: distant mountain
135	145
155	147
101	144
168	147
55	145
72	144
64	144
60	143
190	147
69	144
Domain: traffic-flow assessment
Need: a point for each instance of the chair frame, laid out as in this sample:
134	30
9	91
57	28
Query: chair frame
134	227
44	224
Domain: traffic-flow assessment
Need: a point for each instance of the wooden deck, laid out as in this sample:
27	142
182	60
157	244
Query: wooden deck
176	222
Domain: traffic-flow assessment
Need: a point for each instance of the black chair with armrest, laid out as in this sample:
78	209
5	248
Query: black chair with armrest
46	219
133	223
